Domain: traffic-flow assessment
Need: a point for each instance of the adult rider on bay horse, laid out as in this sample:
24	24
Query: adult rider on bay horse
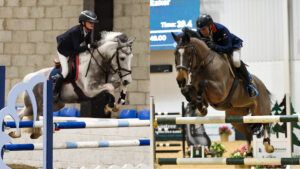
69	44
221	40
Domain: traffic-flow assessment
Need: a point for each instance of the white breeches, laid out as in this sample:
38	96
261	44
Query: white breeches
236	58
64	64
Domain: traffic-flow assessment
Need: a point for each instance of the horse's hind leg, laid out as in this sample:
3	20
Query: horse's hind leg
241	127
244	129
261	109
25	111
268	147
36	131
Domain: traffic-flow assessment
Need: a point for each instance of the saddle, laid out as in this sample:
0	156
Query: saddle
73	69
71	77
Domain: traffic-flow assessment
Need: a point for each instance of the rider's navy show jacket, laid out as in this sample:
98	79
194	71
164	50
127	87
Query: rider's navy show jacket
73	42
225	42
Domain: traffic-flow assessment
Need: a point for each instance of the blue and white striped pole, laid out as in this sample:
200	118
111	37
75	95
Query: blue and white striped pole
78	145
82	124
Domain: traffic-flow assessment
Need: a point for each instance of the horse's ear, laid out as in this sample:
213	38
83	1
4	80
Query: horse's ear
186	38
175	37
131	40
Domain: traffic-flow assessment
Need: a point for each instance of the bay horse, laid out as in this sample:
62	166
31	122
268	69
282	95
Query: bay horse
212	83
100	71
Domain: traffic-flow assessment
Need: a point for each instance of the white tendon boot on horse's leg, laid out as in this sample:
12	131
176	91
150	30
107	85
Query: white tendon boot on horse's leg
267	142
17	134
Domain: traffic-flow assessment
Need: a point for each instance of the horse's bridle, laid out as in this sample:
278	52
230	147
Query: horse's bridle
181	66
203	63
118	70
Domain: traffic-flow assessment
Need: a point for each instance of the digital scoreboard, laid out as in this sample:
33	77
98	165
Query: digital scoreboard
168	16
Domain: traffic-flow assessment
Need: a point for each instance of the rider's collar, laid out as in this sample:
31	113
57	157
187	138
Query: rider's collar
213	28
84	32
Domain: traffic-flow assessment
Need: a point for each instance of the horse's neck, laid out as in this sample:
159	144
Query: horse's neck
87	65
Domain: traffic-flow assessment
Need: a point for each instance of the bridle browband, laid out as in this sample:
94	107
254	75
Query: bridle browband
203	63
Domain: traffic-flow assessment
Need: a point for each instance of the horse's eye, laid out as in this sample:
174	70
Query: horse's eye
122	59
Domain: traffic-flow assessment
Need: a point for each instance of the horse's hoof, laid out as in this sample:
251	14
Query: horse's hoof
116	108
269	148
155	125
35	136
107	109
202	111
14	134
249	154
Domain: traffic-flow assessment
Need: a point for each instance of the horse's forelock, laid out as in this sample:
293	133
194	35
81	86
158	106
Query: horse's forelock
109	36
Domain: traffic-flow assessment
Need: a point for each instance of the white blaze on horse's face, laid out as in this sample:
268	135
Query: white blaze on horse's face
182	69
181	51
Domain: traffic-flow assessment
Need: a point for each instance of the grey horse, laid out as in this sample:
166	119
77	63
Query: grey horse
100	70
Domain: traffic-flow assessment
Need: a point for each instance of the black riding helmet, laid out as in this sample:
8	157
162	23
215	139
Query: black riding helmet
204	20
88	16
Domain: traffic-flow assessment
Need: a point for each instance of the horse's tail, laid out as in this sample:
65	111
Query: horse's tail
270	96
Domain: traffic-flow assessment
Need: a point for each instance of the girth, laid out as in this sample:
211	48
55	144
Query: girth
226	103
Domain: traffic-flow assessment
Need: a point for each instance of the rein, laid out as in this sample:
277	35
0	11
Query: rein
118	70
204	63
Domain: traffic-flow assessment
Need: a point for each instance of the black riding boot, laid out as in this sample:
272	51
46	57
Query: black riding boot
248	80
59	79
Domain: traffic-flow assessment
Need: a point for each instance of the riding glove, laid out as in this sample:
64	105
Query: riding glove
211	45
92	46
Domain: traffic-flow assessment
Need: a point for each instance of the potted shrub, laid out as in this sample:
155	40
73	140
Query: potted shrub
224	132
240	153
216	149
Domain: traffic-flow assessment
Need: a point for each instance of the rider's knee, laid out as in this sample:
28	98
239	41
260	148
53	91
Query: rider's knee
236	58
64	64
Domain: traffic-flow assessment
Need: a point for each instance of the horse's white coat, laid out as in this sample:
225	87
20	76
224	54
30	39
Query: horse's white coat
94	81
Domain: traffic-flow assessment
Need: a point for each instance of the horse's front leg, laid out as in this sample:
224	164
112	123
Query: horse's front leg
189	92
108	89
195	98
92	90
201	102
267	143
36	131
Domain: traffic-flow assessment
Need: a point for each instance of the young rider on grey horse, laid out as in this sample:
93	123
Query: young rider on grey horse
74	41
221	40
